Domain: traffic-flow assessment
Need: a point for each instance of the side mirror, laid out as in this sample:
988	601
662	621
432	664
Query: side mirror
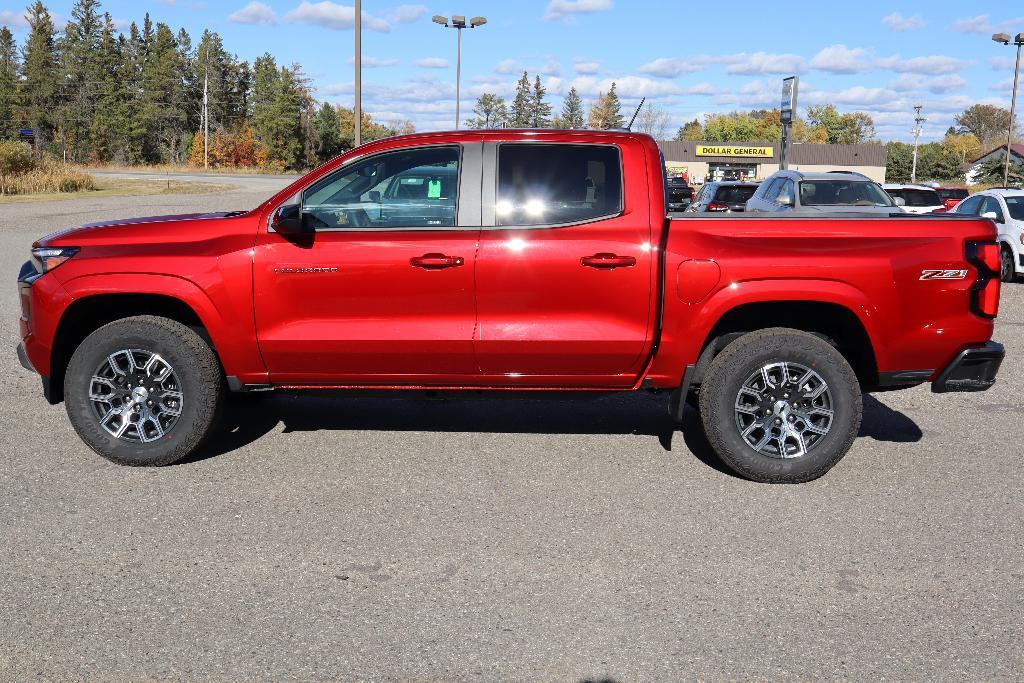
899	201
375	196
287	220
784	200
991	215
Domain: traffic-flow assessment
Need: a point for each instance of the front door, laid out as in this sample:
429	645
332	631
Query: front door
564	274
380	292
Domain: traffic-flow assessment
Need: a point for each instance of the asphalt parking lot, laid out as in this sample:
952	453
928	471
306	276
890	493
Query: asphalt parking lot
425	539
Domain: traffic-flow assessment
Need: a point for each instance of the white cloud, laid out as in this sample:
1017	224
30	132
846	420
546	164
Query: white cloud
898	22
432	63
334	16
566	9
767	63
670	67
978	24
1001	63
841	60
13	19
1005	87
508	66
254	13
933	64
855	96
700	89
585	66
941	85
373	62
404	14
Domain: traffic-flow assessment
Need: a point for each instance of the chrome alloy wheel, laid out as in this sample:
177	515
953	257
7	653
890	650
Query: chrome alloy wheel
135	395
784	410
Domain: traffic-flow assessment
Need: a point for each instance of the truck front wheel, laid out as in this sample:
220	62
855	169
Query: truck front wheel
780	406
143	391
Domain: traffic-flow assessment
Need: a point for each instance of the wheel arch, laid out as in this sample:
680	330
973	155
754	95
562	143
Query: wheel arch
837	324
87	314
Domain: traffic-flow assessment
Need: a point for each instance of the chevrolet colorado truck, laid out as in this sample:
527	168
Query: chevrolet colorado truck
509	260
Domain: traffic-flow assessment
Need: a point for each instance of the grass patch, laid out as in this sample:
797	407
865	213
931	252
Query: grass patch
121	187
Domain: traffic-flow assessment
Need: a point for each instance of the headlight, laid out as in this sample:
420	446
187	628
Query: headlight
48	258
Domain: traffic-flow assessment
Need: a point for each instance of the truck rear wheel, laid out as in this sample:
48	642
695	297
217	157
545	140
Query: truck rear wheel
143	391
780	406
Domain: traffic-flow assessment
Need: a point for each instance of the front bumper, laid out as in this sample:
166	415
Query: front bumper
972	370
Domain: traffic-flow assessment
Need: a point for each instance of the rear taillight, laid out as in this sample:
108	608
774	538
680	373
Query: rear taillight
985	292
715	206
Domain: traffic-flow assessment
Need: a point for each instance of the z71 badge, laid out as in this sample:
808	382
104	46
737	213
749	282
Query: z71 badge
938	274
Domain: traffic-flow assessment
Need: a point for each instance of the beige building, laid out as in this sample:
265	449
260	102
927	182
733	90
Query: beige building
703	161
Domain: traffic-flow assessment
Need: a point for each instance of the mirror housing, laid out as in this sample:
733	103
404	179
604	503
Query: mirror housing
991	215
899	201
288	220
375	196
784	200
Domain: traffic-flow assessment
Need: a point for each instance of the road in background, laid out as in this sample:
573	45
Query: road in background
494	538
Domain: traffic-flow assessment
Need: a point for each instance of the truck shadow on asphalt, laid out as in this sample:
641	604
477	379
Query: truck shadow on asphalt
248	418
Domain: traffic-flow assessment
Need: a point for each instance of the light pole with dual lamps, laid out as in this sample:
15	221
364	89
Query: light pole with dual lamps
1018	40
458	23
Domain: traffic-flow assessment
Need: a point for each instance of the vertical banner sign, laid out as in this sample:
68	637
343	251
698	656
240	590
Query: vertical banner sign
786	109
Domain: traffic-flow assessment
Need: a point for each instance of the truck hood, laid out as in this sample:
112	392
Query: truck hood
83	230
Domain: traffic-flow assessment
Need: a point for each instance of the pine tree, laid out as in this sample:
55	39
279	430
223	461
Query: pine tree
520	114
8	84
328	129
264	92
165	95
540	111
38	86
490	111
572	110
284	135
613	114
78	48
109	128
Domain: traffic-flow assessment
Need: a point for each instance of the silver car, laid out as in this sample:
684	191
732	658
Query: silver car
810	193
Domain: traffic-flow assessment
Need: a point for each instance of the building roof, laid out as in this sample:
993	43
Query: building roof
867	154
1016	149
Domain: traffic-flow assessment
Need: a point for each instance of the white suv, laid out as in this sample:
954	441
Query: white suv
916	198
1006	208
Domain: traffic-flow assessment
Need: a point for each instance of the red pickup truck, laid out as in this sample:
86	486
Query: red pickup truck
509	260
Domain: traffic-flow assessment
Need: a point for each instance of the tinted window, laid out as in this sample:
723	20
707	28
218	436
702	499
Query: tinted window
991	204
407	188
772	191
735	194
543	184
842	193
951	193
970	206
913	197
1015	205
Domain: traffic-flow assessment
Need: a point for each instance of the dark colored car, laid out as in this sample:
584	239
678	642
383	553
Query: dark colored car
951	196
680	194
723	196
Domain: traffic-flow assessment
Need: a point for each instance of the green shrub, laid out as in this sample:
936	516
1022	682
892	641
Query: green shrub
15	157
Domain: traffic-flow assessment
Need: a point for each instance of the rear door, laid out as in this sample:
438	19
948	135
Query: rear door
564	272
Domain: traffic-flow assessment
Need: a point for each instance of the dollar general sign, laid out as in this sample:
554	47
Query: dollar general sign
728	151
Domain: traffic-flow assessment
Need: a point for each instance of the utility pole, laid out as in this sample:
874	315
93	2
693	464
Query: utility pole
918	120
787	109
357	110
206	114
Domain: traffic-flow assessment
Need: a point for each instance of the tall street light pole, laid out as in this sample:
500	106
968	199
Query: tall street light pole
918	120
458	23
1018	40
357	109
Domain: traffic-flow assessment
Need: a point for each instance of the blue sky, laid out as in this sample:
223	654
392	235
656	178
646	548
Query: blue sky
690	58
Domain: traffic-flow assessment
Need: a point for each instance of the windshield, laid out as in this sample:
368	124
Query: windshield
1016	207
951	193
914	197
735	194
842	193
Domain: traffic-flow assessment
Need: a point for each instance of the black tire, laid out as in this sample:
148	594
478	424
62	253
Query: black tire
737	363
197	371
1007	271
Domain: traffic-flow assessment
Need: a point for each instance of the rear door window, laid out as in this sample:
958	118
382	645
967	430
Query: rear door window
542	184
914	197
735	194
